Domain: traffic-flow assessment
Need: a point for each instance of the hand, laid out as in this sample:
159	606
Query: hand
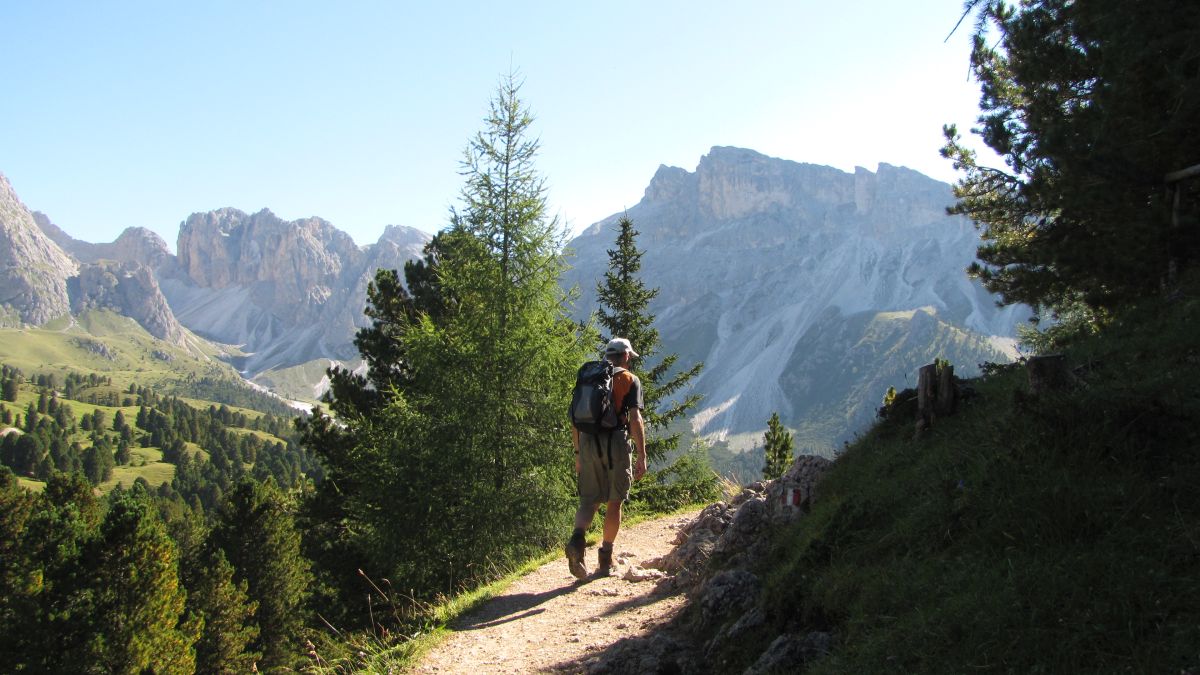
639	467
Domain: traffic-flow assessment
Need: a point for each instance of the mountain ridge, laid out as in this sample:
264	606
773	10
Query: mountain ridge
807	238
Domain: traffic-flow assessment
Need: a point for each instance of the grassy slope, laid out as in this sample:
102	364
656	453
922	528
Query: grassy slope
1052	535
67	345
70	345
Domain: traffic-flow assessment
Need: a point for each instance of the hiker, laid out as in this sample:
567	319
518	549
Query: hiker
602	459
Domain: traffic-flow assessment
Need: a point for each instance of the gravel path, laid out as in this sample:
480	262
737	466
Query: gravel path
548	622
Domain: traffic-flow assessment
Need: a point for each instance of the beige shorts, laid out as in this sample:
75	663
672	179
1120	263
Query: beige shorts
600	482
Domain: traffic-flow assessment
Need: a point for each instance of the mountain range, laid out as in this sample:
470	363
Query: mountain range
804	289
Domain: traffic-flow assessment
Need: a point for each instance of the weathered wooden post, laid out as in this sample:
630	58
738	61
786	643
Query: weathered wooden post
947	393
926	396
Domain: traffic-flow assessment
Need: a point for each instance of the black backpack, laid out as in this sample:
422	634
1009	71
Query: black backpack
593	410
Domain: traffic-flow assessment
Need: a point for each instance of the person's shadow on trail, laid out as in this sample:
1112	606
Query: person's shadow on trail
515	607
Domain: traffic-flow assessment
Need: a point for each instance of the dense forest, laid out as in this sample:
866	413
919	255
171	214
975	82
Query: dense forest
183	575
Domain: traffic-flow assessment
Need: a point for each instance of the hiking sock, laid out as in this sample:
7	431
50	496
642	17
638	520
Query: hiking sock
577	536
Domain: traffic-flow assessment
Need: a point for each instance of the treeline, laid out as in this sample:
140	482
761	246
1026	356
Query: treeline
53	440
235	393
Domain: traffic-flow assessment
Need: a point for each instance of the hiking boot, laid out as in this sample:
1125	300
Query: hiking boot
574	551
604	559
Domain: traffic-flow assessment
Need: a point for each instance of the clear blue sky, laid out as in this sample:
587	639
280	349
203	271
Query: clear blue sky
119	114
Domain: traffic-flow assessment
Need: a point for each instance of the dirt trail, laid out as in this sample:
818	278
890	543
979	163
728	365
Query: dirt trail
549	622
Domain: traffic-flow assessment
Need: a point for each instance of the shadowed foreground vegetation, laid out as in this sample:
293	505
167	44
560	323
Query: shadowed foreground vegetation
1052	534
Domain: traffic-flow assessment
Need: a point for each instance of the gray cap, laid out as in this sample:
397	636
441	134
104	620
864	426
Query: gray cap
619	346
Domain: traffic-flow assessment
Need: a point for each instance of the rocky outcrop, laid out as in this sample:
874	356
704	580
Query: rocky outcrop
134	245
33	269
732	531
297	263
786	260
129	289
716	560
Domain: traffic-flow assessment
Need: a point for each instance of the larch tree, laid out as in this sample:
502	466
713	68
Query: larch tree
494	374
451	457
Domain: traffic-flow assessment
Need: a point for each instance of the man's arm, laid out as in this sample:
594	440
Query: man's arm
638	431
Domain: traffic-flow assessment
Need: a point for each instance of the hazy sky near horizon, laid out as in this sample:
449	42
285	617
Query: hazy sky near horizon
129	114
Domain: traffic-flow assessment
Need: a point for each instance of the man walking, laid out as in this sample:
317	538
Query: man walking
603	462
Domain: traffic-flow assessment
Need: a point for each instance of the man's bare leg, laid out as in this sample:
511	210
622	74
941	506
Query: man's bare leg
612	522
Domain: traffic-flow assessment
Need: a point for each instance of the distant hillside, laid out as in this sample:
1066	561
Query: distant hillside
108	344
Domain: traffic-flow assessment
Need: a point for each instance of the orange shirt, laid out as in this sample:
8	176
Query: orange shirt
627	393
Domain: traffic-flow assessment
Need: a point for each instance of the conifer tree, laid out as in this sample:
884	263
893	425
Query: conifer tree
9	388
17	570
52	607
624	312
136	621
357	401
228	614
256	531
1090	105
777	442
98	462
462	465
494	374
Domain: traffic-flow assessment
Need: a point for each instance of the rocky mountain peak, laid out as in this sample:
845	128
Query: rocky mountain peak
402	235
141	245
670	183
33	269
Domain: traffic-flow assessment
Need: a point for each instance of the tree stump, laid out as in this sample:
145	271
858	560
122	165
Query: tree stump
1047	373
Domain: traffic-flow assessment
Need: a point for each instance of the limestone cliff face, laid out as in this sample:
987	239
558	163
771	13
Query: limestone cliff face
130	289
298	262
289	292
33	269
805	289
